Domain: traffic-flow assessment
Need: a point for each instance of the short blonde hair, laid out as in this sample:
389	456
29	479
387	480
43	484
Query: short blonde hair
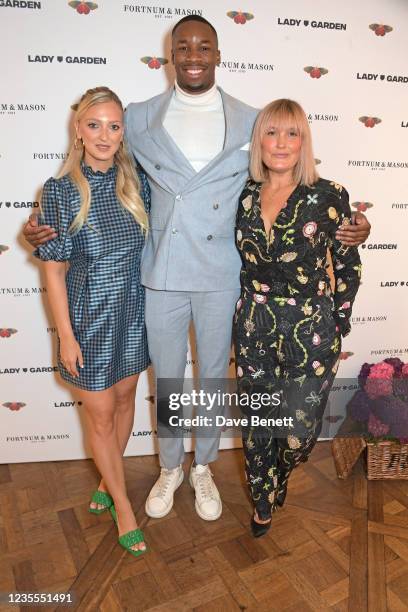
277	113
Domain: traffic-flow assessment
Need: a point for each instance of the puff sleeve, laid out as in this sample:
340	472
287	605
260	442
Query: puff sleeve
346	263
57	213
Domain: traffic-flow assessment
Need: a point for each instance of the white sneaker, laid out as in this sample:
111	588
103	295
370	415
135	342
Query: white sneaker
208	502
161	497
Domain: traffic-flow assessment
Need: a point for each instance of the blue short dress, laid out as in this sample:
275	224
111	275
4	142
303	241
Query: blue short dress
106	299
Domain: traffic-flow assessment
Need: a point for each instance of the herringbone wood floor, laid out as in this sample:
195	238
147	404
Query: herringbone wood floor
336	545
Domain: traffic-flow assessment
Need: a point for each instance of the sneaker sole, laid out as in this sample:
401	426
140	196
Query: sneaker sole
167	510
203	516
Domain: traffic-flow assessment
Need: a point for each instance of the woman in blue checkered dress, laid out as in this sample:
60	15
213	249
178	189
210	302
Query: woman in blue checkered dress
98	209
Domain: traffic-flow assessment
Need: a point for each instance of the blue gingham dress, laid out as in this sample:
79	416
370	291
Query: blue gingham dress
106	299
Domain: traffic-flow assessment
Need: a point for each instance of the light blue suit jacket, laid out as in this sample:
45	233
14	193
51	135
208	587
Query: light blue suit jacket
191	242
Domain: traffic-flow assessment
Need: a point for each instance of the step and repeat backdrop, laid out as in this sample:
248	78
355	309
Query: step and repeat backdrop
344	62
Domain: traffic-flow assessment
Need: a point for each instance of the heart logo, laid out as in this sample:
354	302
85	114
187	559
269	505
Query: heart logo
306	22
24	369
382	76
60	58
8	204
79	403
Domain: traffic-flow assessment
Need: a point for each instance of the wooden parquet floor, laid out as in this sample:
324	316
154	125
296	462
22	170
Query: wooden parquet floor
336	545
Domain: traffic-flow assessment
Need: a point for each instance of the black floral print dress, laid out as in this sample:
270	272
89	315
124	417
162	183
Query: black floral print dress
289	323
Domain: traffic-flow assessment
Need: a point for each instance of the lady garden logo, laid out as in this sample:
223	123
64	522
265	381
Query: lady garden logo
14	406
3	248
83	8
154	63
239	17
379	29
6	332
370	122
362	206
315	72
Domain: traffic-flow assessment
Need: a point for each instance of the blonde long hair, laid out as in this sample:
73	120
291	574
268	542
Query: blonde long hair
277	113
127	181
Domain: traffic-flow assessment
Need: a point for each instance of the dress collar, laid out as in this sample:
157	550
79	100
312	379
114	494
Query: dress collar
98	174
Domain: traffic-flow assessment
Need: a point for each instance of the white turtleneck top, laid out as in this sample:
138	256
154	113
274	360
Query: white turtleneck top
196	123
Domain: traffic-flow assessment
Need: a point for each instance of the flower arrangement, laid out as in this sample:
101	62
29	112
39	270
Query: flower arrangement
381	403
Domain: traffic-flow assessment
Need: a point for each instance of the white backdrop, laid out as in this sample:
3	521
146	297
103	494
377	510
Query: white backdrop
52	52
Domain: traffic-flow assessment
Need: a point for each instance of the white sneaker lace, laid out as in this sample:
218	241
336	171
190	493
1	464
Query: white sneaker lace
205	484
164	481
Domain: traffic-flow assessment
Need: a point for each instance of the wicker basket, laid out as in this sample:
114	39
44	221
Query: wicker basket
387	460
346	452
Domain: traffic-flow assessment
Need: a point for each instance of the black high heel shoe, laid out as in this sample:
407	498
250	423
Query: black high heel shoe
259	529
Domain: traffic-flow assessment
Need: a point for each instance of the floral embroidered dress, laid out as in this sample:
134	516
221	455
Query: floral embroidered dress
289	323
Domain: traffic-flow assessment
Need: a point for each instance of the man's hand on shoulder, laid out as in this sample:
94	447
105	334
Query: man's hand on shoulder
37	234
355	234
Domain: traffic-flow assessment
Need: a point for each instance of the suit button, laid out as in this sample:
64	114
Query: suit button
179	196
157	166
215	206
209	237
174	230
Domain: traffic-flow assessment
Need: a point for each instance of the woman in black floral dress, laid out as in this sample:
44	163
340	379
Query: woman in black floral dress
289	323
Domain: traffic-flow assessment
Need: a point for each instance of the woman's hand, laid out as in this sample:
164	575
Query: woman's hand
71	354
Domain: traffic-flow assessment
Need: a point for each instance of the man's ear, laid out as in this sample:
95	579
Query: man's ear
172	57
218	57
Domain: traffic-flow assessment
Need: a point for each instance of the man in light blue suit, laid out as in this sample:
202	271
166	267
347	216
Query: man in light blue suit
193	143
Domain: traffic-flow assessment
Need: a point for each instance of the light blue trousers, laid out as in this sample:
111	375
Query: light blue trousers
168	318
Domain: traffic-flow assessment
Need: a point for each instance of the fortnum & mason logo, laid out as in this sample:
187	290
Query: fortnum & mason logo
161	12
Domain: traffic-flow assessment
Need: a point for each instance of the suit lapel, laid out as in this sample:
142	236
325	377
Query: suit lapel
235	136
155	119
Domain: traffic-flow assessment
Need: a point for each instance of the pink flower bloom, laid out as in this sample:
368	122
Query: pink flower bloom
309	229
379	381
405	370
265	288
345	306
376	427
292	301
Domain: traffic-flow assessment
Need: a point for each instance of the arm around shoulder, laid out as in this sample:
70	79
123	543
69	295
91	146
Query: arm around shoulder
56	212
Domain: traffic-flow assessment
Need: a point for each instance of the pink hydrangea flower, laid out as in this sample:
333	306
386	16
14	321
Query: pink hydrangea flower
379	381
376	427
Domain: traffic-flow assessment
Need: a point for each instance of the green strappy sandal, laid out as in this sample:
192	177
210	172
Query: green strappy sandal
129	539
101	498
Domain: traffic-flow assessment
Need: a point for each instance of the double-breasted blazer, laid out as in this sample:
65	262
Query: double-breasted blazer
191	243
